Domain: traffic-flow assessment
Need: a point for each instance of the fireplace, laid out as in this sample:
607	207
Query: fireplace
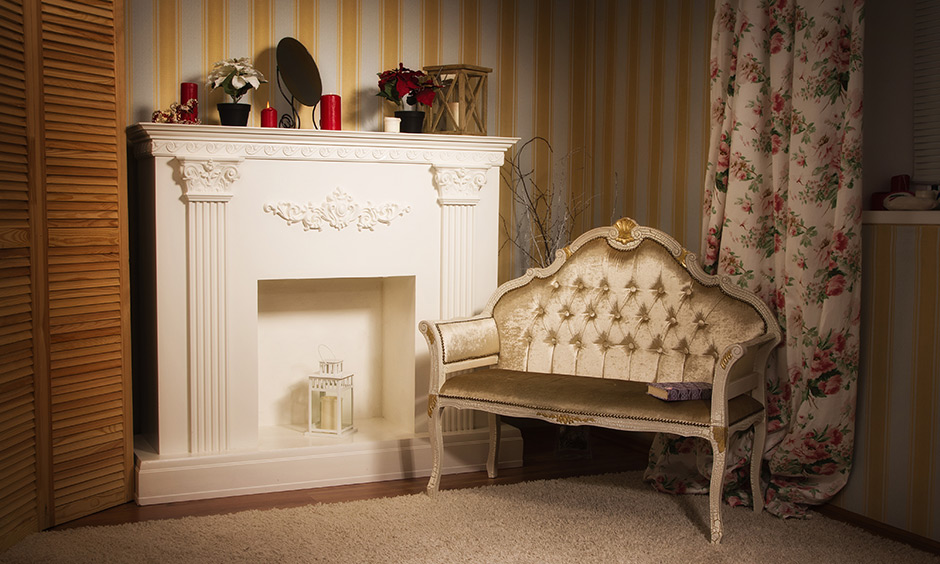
258	246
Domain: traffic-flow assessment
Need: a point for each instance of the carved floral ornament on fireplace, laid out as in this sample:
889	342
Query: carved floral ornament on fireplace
339	211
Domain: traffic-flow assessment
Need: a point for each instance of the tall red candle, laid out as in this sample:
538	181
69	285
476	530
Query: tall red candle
330	112
190	91
269	117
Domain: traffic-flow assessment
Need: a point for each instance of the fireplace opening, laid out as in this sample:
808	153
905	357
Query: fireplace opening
369	323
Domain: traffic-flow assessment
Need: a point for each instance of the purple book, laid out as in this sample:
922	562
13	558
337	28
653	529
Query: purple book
679	391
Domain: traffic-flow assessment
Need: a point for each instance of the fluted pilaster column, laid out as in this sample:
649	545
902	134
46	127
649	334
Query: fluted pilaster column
459	192
206	184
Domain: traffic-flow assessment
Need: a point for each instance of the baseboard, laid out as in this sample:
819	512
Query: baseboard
877	527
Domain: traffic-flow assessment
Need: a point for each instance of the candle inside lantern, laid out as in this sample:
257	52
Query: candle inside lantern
455	113
189	91
330	112
269	116
328	412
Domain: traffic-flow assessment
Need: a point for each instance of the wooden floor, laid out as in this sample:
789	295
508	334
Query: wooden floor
544	457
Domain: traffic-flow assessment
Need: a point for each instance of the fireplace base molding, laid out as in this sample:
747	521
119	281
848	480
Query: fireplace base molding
167	479
253	247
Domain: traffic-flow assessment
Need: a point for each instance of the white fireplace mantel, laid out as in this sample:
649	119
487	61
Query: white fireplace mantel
255	246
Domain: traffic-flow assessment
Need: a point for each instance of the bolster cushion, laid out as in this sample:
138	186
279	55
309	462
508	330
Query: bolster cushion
586	396
468	338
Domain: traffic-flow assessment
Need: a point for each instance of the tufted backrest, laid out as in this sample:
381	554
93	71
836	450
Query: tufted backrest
628	313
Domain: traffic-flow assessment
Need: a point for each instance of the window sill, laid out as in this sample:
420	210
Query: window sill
901	217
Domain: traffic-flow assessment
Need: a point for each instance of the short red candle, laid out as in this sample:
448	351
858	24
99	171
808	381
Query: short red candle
330	112
269	117
190	91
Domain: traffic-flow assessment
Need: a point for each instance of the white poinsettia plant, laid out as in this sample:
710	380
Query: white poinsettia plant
235	76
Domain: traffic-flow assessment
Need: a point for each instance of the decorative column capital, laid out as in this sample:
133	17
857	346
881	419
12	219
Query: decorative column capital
459	185
208	180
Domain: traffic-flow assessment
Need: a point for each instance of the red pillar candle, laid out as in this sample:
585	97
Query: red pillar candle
269	117
190	91
330	112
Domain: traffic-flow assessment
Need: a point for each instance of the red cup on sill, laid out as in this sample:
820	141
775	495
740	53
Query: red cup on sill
901	183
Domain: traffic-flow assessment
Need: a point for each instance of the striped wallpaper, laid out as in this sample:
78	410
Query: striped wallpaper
896	474
617	87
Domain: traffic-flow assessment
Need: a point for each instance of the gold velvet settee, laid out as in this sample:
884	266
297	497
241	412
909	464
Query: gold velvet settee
577	342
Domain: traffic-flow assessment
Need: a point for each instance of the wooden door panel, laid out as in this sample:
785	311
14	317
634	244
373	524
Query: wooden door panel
65	426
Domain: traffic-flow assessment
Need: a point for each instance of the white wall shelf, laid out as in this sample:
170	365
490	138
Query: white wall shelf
901	217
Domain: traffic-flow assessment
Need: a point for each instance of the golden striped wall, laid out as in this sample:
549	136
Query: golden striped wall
618	86
896	474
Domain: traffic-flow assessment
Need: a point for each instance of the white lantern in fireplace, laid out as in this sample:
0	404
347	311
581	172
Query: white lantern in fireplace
330	399
330	404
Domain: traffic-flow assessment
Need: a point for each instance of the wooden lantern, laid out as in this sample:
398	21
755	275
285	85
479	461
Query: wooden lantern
460	105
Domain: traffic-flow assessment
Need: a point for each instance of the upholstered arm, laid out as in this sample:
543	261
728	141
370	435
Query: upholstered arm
460	345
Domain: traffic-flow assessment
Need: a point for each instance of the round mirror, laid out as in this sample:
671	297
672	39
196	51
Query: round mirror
299	72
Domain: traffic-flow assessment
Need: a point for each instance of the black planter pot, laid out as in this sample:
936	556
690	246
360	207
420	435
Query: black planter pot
234	114
411	121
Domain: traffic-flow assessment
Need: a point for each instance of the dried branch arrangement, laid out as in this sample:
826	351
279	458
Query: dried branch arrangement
545	214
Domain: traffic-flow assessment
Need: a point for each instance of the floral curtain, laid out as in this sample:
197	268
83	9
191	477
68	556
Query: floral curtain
782	217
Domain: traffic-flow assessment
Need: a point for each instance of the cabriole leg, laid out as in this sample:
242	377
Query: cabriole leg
715	493
757	456
437	450
492	460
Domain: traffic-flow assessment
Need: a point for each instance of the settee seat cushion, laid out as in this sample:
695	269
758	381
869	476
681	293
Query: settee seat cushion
586	396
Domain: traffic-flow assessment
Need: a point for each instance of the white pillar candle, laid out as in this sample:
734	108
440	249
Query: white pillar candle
328	412
392	124
455	112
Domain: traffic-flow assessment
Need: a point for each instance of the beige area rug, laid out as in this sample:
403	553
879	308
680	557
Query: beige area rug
602	519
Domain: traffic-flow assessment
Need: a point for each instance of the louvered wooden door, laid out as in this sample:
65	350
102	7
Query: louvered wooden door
65	425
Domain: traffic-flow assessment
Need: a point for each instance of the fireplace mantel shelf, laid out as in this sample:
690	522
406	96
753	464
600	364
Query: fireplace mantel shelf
168	140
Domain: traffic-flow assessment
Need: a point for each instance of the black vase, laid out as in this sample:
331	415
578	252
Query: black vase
234	114
411	121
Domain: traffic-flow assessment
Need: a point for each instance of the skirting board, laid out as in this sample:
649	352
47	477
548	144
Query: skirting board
166	479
